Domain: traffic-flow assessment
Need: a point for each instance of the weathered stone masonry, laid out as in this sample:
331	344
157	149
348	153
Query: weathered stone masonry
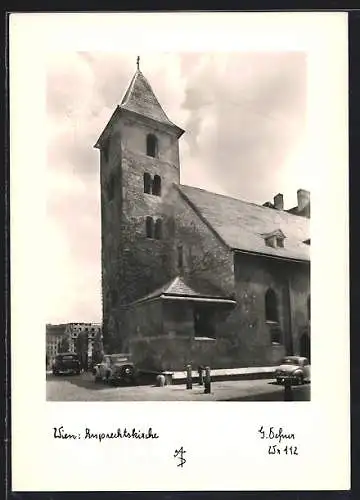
187	275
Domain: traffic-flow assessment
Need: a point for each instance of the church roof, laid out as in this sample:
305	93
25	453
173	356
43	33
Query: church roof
192	288
241	225
187	288
140	98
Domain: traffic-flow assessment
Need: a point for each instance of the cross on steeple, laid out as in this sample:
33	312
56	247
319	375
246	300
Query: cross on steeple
138	62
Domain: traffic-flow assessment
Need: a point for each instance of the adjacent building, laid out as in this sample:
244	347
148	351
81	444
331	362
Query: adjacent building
91	329
54	336
189	275
62	337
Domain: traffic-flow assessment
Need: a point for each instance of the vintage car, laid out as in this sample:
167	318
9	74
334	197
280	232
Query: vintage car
66	362
115	368
293	369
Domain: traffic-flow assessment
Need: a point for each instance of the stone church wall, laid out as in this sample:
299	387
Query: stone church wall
134	265
243	335
204	255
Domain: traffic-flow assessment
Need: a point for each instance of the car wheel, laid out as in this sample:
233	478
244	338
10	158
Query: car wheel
128	375
300	379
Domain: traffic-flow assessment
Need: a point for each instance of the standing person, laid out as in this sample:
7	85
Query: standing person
288	394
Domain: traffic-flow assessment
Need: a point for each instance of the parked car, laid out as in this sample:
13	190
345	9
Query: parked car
115	368
66	362
293	369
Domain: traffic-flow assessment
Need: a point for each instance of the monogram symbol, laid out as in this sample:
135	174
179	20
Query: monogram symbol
179	454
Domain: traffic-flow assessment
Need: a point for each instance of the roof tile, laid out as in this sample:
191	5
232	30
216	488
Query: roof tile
186	287
141	99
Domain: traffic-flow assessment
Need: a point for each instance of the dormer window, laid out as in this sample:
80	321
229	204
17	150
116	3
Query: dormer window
274	239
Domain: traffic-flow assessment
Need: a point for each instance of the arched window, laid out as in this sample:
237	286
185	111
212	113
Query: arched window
151	145
271	311
156	187
180	257
158	229
111	188
275	335
113	298
105	149
149	227
308	308
147	183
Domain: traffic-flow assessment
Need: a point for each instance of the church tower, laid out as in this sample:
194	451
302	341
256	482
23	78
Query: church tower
139	163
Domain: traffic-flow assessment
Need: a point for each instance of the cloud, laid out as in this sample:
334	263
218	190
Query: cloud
256	104
244	116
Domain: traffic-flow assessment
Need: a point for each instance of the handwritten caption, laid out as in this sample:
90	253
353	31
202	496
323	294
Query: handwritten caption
88	434
283	443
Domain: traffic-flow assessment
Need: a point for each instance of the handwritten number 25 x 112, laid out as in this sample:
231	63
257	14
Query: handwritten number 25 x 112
277	436
179	454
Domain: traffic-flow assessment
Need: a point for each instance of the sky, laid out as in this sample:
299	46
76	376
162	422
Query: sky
245	122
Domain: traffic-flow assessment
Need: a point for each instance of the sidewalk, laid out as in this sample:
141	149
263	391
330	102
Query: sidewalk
251	373
83	388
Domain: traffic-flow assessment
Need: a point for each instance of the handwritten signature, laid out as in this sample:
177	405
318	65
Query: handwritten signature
180	455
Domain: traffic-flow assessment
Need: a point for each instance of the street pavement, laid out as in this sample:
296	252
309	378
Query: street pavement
83	388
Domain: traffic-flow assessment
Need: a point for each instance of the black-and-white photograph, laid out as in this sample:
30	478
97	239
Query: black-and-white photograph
163	258
179	206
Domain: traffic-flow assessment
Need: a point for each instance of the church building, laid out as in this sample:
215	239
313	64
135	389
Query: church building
189	275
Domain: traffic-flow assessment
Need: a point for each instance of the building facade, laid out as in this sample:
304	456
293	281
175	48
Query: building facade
54	336
62	338
189	275
74	329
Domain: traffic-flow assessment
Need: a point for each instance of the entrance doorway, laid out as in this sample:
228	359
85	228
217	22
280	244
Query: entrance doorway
305	345
203	321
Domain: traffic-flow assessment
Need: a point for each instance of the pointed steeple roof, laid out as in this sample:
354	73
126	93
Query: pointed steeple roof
140	98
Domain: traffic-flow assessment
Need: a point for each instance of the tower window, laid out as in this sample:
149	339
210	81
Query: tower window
111	188
147	183
113	298
158	229
271	309
156	187
105	149
149	227
308	308
151	145
180	257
